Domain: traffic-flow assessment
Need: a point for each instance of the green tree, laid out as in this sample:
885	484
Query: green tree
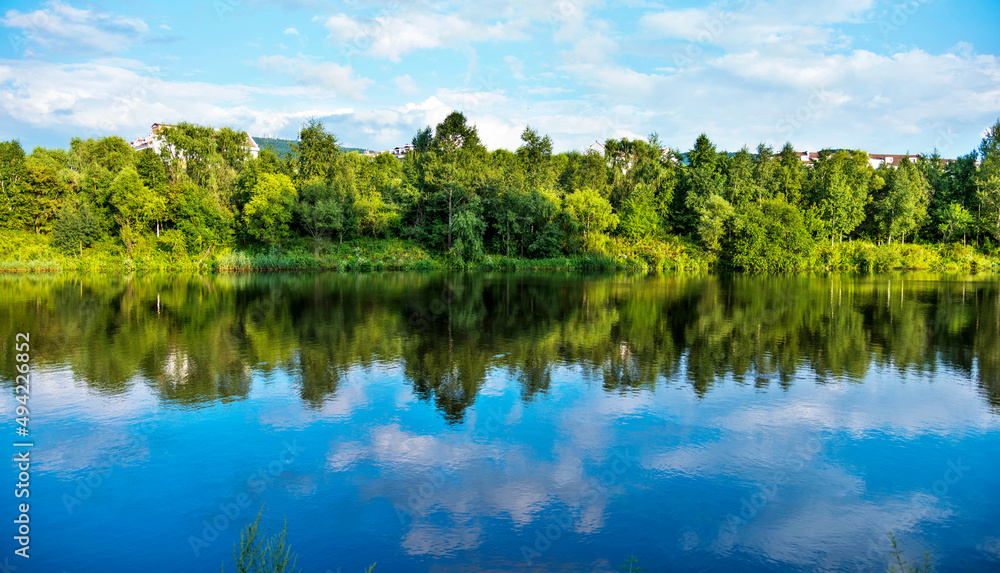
13	171
468	229
701	180
536	154
75	228
267	214
902	204
772	235
955	220
111	153
315	152
741	187
713	218
373	215
643	177
454	134
320	212
135	206
205	222
591	214
790	174
988	182
453	173
44	191
840	190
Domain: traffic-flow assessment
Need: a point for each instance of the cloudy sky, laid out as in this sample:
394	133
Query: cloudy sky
882	76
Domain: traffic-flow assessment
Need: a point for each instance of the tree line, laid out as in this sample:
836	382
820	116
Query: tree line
761	209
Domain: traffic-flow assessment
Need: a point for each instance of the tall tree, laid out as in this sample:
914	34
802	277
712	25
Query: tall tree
267	214
988	182
13	171
45	191
790	174
840	190
702	179
135	206
315	152
535	153
902	204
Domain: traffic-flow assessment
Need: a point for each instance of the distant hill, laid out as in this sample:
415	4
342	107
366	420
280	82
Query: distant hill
283	147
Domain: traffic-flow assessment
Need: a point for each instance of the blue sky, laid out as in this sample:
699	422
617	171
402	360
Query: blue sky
881	76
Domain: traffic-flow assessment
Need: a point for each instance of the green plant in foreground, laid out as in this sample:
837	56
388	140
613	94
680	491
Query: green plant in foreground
897	554
254	554
631	565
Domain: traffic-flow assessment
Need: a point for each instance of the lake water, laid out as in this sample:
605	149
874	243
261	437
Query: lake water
509	422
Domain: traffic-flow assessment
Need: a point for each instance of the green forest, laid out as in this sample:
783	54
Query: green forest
204	203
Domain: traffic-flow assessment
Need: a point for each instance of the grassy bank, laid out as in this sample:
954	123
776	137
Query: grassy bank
28	252
865	256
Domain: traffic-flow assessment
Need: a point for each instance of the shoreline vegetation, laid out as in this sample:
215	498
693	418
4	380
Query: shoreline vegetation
203	204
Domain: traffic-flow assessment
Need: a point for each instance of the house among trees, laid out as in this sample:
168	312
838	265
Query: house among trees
400	152
155	141
876	160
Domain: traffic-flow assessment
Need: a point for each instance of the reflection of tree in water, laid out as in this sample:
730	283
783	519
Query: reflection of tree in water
198	339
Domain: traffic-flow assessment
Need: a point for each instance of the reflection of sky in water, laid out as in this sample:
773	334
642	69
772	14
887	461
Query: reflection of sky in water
809	478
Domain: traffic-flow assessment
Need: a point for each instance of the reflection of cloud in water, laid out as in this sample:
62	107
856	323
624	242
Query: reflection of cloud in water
95	450
342	456
348	398
990	546
470	481
434	540
929	406
450	487
111	435
836	518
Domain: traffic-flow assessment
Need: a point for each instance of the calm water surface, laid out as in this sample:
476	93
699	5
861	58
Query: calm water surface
500	422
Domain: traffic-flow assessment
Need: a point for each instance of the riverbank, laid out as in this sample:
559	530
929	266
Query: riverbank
28	252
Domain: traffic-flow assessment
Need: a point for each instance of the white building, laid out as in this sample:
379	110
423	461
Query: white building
155	142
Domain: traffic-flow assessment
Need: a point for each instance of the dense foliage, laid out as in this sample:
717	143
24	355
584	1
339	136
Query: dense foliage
204	198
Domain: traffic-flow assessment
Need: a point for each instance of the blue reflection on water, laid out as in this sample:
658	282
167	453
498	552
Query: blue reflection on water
805	478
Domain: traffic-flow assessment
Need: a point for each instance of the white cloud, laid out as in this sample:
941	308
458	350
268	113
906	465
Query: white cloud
291	31
121	97
782	24
62	28
341	79
393	36
516	67
406	84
